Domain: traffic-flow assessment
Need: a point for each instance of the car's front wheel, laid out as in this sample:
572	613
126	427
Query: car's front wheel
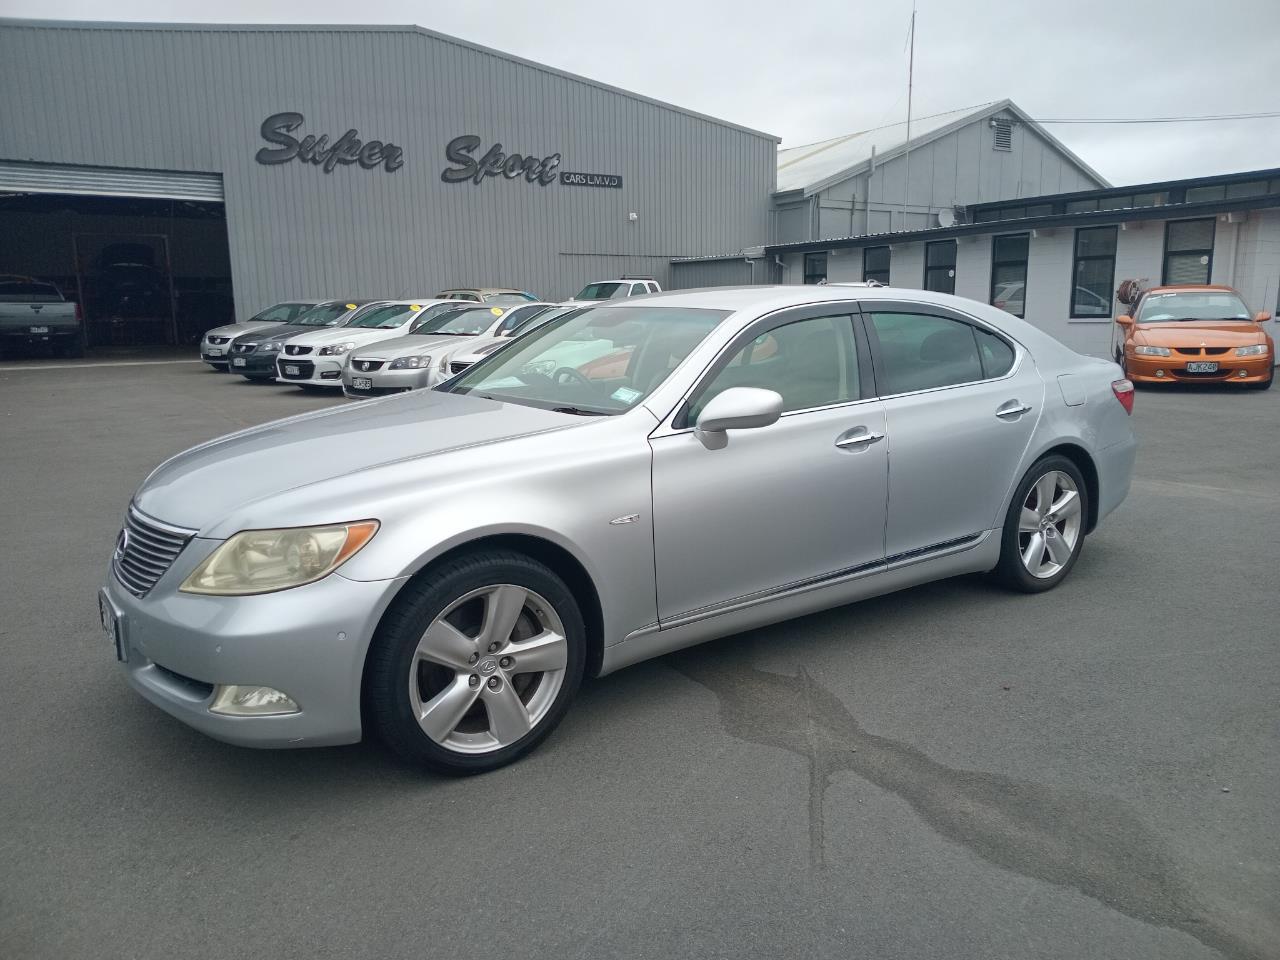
475	663
1045	527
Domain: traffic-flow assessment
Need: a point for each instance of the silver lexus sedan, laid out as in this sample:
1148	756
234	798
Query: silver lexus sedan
737	457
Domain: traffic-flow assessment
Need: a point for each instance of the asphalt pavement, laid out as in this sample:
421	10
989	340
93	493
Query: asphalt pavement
951	772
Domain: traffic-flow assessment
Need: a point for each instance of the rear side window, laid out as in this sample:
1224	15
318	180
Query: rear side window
997	356
638	289
920	352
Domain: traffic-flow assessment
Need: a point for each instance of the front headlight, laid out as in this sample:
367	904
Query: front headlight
1144	351
1253	350
410	363
269	347
336	349
263	561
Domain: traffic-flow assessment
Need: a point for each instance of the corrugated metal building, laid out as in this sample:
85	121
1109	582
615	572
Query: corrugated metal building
177	121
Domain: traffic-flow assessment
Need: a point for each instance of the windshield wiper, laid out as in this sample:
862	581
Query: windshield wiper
579	412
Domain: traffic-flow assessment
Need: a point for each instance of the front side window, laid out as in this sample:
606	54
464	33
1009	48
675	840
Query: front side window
815	268
383	318
1009	272
810	363
875	264
599	361
920	351
518	317
940	266
1094	270
1188	251
638	289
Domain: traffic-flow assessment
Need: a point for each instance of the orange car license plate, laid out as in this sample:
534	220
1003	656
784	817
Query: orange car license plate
1203	366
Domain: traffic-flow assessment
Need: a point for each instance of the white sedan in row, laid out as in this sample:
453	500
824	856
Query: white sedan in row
316	358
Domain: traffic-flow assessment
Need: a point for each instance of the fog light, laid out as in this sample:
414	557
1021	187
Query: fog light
1242	373
233	700
330	374
1159	373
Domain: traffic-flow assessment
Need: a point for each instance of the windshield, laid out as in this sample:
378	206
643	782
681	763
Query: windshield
323	315
508	297
384	318
464	323
603	360
1192	305
600	291
516	318
281	313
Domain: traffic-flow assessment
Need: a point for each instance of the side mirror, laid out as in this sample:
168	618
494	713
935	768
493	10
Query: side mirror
738	408
1125	321
1261	317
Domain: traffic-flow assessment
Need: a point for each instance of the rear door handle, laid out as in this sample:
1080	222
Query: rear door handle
857	437
1013	408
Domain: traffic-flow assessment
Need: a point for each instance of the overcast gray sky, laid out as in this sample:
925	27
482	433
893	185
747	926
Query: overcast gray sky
812	70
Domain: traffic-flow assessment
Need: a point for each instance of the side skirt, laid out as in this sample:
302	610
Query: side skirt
970	556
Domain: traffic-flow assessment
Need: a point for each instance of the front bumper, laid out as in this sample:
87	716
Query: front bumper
310	370
309	642
256	365
386	381
1173	369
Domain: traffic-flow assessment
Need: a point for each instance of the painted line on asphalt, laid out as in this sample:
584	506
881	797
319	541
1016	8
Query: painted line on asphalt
91	366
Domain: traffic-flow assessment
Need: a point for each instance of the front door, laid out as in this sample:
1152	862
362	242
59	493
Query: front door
777	505
961	404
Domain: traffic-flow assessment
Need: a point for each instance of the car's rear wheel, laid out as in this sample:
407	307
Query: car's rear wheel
1044	529
475	663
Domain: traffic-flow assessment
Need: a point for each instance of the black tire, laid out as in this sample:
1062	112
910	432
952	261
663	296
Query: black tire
1010	571
387	705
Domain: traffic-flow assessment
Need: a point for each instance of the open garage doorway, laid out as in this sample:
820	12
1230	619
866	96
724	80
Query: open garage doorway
148	272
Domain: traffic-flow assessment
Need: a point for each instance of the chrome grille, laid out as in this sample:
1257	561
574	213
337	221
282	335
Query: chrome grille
364	366
243	347
218	340
296	351
145	549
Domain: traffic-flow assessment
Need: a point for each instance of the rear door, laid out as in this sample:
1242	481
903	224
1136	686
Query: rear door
961	404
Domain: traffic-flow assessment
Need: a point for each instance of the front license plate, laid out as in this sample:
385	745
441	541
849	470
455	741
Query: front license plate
112	627
1204	366
238	362
361	383
39	329
215	351
290	369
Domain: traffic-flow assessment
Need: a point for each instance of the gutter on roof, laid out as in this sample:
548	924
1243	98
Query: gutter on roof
1171	211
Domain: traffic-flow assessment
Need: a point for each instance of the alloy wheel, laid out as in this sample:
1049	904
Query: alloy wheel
488	669
1049	524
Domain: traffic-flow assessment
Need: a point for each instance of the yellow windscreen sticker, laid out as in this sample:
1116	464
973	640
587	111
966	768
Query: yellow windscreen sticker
496	311
351	306
415	306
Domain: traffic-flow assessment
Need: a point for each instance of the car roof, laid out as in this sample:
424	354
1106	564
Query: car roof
481	290
1186	287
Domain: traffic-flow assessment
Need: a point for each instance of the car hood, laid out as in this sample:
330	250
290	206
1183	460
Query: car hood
1195	333
322	336
197	488
235	329
412	346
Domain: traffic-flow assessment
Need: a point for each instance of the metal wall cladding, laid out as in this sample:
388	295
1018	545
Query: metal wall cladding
722	272
193	99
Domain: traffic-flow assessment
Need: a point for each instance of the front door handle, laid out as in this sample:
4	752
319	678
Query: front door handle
857	437
1013	408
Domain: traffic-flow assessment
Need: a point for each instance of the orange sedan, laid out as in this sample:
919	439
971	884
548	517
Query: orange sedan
1195	333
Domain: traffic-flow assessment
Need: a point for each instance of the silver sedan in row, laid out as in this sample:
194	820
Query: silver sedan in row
735	457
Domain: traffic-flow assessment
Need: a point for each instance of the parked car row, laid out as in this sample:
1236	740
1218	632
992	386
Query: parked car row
370	348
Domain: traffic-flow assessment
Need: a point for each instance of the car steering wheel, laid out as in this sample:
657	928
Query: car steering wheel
568	373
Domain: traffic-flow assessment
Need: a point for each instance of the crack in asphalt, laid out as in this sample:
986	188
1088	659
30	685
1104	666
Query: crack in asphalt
1086	842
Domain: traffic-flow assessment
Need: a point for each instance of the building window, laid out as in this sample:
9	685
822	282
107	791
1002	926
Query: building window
875	264
1188	251
1002	134
940	266
1094	270
815	268
1009	272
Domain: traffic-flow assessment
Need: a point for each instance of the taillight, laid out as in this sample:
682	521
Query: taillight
1123	389
79	314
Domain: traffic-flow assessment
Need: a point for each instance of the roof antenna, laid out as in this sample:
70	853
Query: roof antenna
911	63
